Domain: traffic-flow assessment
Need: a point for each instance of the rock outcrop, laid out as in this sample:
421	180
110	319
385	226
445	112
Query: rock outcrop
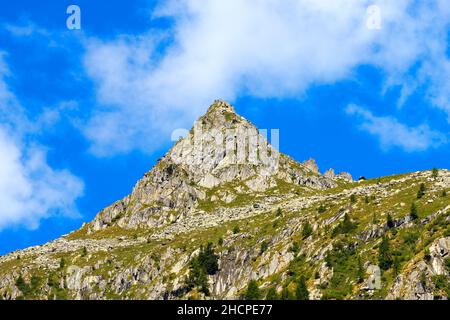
311	165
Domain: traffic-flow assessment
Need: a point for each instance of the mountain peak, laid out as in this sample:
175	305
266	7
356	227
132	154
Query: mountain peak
220	105
220	114
223	153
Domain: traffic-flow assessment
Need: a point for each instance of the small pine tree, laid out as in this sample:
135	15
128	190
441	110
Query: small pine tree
396	266
347	224
264	247
307	230
426	254
295	247
208	259
23	286
435	173
384	256
286	294
236	230
361	271
422	187
84	252
423	280
302	293
197	277
62	263
447	263
20	282
353	198
200	266
389	221
220	241
444	194
421	191
321	209
253	292
413	212
272	294
35	282
279	212
345	227
367	199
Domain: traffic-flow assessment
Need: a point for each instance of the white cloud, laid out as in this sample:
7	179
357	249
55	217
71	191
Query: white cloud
25	29
263	48
391	133
30	189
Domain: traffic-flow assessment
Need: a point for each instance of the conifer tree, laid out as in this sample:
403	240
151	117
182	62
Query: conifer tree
307	230
361	271
434	173
384	256
421	191
413	212
272	294
302	293
389	221
253	292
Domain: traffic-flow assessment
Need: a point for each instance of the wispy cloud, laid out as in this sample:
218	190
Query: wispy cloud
25	29
260	48
392	133
30	189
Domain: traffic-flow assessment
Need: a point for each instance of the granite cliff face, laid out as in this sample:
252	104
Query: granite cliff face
267	218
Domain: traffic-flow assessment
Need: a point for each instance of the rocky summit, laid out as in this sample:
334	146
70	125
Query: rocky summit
225	215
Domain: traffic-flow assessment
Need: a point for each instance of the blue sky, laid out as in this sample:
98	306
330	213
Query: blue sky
84	113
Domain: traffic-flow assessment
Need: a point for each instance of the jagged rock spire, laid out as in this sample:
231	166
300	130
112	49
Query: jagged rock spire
311	165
